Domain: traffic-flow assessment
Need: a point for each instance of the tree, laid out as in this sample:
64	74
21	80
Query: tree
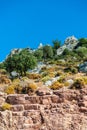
66	52
82	42
20	62
56	45
47	52
2	65
82	51
38	54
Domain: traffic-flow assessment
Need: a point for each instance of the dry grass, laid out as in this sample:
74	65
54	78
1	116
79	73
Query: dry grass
6	106
56	85
33	76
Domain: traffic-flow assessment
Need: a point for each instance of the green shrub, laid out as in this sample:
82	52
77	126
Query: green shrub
45	78
33	76
62	79
58	73
71	69
29	89
78	84
45	73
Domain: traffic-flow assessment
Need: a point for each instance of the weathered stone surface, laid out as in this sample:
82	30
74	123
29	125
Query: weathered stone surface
65	109
2	100
17	108
32	100
16	99
43	91
31	107
69	44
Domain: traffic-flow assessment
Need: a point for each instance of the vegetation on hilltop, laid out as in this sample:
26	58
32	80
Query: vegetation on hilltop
65	67
20	62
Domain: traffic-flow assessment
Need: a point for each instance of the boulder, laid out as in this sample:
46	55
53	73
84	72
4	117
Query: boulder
43	91
69	44
83	67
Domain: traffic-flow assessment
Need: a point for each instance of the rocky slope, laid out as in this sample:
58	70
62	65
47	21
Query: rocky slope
62	109
69	44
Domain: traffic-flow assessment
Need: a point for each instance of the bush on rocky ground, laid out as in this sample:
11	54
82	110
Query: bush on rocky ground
66	84
78	84
29	89
85	79
56	85
62	78
10	89
3	71
33	76
4	79
71	69
58	73
46	78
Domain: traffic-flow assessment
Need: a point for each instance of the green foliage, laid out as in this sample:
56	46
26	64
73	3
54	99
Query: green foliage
56	45
71	69
47	52
45	73
46	78
82	51
38	54
82	42
62	79
20	62
29	89
58	73
66	52
78	84
2	66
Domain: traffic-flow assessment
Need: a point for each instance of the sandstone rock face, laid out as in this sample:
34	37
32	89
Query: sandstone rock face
69	43
61	110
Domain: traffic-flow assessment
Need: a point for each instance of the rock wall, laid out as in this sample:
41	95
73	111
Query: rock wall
63	110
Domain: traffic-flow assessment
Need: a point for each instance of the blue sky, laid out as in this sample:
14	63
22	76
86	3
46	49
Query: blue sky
26	23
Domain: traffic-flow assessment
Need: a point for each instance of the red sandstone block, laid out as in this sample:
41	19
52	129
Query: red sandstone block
31	107
55	99
83	109
32	100
17	108
15	99
45	100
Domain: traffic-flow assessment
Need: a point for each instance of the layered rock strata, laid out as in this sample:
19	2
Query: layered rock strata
65	109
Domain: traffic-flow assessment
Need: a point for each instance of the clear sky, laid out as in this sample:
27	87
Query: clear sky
26	23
